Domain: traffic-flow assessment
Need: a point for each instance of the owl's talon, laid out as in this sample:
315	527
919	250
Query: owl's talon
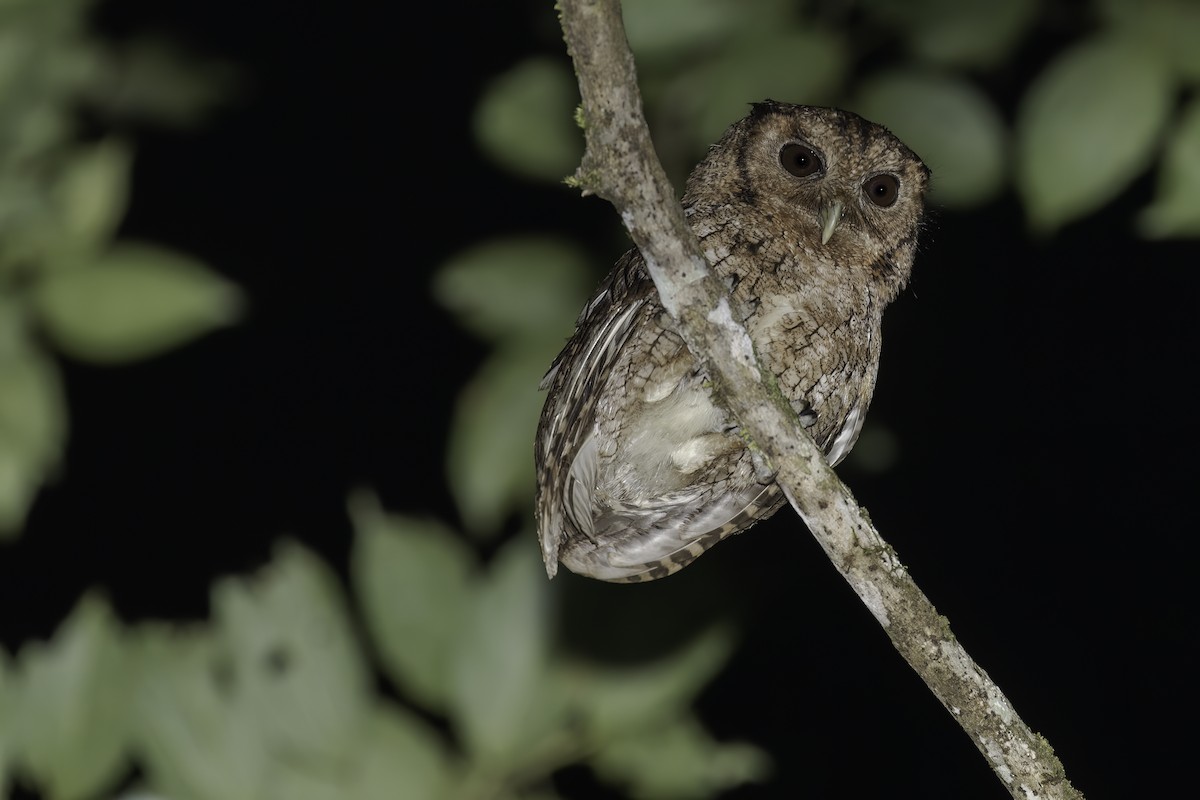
763	471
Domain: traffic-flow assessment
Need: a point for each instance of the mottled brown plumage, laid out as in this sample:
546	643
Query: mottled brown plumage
810	215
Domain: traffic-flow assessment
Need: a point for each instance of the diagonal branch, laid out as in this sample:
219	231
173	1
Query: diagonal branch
620	165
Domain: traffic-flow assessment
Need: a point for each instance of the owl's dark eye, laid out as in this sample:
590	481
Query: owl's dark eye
800	160
882	189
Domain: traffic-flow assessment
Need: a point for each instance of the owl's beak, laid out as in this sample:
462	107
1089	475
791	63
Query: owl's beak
829	217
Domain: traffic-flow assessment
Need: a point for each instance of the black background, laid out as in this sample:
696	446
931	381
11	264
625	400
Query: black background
1042	393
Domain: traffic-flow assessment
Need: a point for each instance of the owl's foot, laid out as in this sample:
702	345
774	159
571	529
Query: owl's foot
763	472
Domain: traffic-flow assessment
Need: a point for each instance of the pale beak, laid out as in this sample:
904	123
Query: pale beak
829	217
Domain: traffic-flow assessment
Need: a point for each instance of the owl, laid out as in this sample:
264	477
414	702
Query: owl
809	216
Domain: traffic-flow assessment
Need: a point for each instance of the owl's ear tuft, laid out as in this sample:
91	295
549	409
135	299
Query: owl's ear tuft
767	108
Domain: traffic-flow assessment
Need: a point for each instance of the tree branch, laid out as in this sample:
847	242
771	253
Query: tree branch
621	166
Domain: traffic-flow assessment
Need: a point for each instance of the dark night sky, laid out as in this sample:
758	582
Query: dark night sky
1039	392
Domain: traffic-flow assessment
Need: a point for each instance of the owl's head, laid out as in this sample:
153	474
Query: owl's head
840	186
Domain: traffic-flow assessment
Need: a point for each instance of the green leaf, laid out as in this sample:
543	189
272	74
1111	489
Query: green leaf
7	730
657	27
516	286
33	420
1176	207
190	716
71	703
275	693
678	759
501	659
877	450
958	33
404	758
489	462
950	124
306	780
662	30
135	301
786	65
525	120
156	80
298	667
610	702
412	578
1087	127
1172	27
93	191
142	793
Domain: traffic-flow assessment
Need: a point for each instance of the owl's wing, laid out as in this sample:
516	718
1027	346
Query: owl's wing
637	544
565	456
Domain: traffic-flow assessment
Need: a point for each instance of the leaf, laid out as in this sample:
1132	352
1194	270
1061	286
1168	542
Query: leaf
489	462
1088	125
1172	27
781	65
190	716
298	669
665	30
949	123
93	191
524	292
306	780
525	120
1176	207
142	794
135	301
610	702
958	33
877	450
678	759
152	79
500	663
7	730
71	701
530	285
404	758
412	578
33	420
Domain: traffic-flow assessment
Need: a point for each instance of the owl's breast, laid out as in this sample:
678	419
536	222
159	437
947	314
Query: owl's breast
824	353
659	428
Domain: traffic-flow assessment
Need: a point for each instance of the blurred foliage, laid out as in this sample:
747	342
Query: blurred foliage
270	700
519	294
277	695
1090	124
500	120
478	647
949	116
274	697
65	279
1092	119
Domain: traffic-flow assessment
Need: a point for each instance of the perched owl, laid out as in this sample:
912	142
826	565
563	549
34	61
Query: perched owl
810	217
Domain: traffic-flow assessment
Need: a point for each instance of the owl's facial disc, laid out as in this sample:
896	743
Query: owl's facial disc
829	216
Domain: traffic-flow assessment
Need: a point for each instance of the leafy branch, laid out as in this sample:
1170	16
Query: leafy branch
620	165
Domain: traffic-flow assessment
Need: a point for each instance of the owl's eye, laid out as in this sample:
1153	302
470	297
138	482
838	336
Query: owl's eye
882	189
800	160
